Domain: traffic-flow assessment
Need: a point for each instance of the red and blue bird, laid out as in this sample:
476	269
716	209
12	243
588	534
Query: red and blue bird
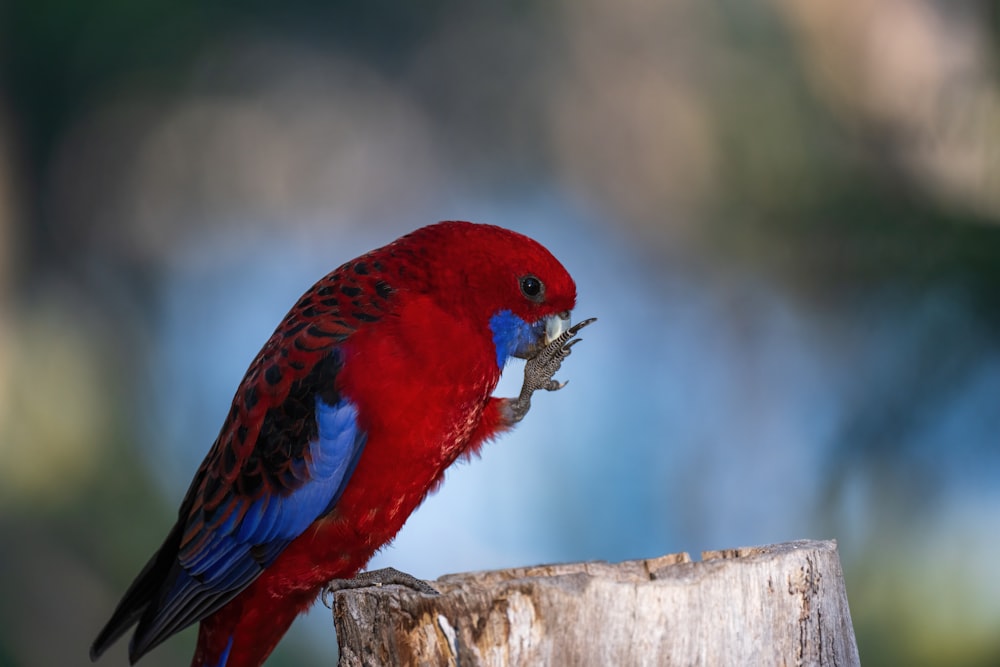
375	382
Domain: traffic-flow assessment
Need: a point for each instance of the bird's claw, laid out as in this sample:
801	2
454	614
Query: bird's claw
376	578
540	369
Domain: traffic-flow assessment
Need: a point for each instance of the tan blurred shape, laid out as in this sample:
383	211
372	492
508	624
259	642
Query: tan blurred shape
7	208
629	123
918	74
54	405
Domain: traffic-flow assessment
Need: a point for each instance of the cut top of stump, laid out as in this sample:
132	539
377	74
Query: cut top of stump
783	604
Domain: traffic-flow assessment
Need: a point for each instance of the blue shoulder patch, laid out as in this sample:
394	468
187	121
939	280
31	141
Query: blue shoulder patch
253	531
325	469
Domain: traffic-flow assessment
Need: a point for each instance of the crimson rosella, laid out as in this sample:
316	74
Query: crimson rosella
377	380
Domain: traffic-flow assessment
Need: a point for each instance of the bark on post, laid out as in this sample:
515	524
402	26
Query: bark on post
783	604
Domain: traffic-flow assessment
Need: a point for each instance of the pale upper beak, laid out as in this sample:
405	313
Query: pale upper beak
548	330
555	325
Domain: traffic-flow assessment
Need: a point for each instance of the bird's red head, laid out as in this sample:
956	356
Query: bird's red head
515	285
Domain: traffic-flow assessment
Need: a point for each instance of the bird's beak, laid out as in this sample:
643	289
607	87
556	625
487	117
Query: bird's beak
544	332
555	325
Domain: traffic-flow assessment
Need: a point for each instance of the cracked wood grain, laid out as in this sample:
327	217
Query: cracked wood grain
783	604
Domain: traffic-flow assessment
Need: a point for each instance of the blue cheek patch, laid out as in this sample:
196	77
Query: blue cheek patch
511	335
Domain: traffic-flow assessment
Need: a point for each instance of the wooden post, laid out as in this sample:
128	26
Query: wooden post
776	605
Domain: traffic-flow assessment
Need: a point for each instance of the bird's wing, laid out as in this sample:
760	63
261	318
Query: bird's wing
282	459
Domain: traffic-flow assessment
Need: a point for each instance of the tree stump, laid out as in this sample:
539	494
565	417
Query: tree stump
783	604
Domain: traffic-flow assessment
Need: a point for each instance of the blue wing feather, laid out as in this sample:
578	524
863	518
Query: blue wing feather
329	460
236	540
281	517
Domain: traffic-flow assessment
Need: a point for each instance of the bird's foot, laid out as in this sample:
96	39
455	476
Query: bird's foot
377	578
540	369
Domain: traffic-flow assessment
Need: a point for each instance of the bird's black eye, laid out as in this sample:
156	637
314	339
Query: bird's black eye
532	288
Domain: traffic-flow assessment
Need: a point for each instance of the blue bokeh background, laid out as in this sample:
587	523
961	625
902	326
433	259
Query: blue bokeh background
783	214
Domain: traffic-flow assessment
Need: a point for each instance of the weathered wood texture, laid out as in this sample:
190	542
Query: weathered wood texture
776	605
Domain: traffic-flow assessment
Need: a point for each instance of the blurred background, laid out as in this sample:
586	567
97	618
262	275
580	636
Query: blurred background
785	214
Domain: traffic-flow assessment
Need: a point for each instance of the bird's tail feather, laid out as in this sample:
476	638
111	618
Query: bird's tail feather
137	598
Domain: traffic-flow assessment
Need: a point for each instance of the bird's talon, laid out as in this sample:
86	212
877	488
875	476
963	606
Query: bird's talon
377	579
